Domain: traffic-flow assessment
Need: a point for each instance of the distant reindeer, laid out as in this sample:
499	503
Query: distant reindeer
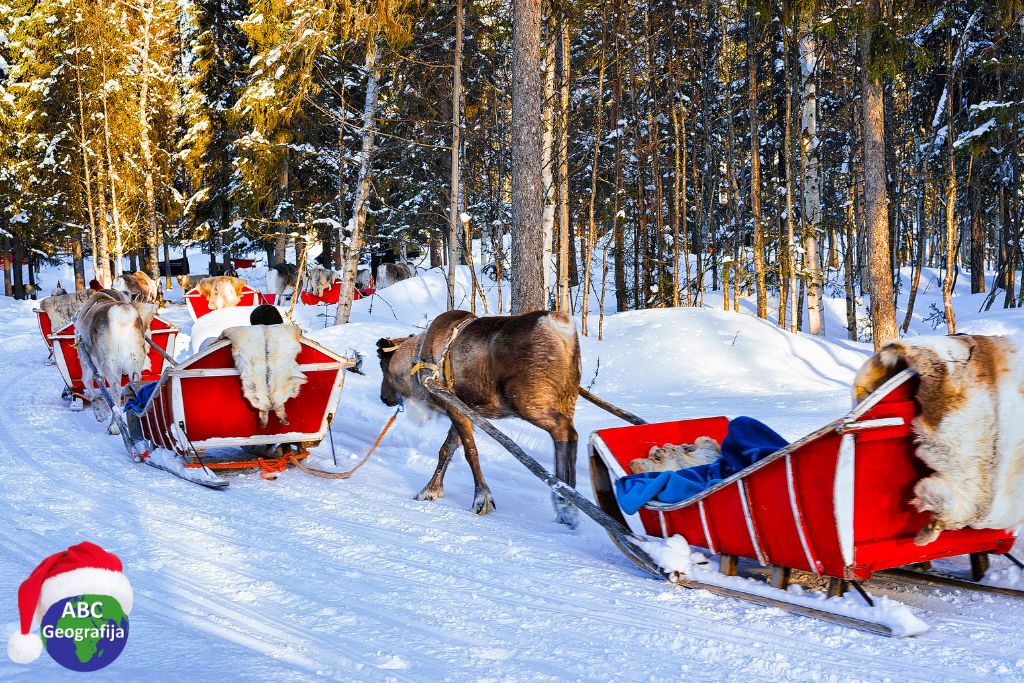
390	273
281	280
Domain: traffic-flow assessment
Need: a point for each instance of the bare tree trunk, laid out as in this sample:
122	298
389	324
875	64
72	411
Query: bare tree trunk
679	200
453	219
548	154
977	237
151	236
849	265
755	167
281	232
83	143
115	212
589	241
562	154
790	258
103	274
358	219
883	308
812	179
527	261
6	261
339	252
950	231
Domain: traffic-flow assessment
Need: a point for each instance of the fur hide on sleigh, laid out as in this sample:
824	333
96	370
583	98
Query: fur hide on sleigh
266	355
970	430
221	291
671	457
62	308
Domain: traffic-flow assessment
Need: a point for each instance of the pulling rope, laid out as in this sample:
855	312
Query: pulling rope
345	475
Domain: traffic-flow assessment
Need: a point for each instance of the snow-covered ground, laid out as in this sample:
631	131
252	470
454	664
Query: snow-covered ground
303	578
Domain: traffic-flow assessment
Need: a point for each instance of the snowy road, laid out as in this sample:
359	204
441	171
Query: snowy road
304	578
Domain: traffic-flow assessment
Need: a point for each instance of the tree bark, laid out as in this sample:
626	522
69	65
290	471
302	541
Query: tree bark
883	308
527	191
562	154
359	207
812	179
591	236
755	167
151	236
453	218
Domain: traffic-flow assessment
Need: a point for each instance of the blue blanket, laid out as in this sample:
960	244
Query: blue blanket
747	441
137	403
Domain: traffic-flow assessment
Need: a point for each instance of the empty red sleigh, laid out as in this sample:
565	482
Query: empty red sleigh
198	306
198	405
161	332
835	503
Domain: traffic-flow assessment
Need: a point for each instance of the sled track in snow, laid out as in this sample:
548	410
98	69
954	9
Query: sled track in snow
325	551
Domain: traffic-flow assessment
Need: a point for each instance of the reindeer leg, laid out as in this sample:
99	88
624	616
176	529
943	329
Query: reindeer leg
566	441
483	499
564	436
435	487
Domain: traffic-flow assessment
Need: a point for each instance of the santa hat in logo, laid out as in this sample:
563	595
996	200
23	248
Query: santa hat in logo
83	569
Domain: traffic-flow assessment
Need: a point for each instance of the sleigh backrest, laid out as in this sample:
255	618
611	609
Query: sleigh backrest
206	394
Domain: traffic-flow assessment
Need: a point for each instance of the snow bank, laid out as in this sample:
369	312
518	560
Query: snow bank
665	352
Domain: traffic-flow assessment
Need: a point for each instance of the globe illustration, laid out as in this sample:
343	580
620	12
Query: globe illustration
94	641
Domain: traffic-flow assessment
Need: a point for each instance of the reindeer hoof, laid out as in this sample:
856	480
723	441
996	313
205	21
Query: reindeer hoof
483	503
565	512
429	494
100	411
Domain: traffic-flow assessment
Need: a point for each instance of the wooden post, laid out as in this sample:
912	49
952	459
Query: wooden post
781	576
728	564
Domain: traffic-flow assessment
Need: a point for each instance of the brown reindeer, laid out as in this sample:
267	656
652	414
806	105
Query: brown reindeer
526	366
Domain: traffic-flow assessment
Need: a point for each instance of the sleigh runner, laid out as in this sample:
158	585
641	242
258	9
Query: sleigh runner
835	504
198	407
69	364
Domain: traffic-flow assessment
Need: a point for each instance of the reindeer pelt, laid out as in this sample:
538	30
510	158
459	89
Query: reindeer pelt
390	273
222	291
970	430
112	332
266	356
670	457
319	279
62	308
138	286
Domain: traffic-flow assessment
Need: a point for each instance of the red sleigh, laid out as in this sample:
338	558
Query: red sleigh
332	294
65	350
198	306
45	327
835	503
198	405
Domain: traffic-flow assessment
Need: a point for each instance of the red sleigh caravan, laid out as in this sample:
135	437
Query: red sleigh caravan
835	503
198	406
198	306
65	354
